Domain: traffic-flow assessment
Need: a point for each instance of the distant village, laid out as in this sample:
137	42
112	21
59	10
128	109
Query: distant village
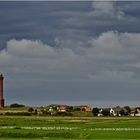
66	110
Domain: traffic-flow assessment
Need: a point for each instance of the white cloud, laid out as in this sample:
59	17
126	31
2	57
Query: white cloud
30	49
113	47
106	58
35	67
103	8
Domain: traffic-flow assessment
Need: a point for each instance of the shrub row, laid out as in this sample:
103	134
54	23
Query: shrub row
18	113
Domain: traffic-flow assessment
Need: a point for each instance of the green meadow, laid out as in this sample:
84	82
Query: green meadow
52	128
55	139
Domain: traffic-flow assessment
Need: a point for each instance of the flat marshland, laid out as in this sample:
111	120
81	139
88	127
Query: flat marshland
37	127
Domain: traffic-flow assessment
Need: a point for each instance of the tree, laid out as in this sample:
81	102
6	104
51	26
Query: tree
121	112
35	112
77	109
17	105
70	108
95	111
105	112
30	109
127	110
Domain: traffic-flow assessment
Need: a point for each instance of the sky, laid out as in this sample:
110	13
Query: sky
70	52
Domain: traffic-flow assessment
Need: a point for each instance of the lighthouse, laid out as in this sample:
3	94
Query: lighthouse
1	91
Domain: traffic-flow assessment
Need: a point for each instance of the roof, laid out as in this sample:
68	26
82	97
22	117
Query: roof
117	109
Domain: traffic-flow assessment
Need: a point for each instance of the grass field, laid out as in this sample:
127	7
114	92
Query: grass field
56	139
25	128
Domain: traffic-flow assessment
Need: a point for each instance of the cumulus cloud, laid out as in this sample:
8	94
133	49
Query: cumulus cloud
106	57
114	46
29	49
53	71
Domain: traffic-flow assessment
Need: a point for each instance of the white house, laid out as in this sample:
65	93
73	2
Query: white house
137	112
115	111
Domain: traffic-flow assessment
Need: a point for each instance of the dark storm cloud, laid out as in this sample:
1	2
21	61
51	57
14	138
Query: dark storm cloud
70	50
47	20
35	19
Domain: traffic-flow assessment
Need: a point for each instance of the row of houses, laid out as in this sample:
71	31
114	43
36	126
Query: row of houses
115	111
120	111
65	108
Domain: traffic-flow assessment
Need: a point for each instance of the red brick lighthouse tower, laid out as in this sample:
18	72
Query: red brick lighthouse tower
1	91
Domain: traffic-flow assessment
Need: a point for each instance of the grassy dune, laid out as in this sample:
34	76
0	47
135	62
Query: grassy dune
69	127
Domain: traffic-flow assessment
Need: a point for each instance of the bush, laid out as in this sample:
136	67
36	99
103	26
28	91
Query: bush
127	110
17	105
70	108
95	111
30	109
77	109
63	114
106	112
18	113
